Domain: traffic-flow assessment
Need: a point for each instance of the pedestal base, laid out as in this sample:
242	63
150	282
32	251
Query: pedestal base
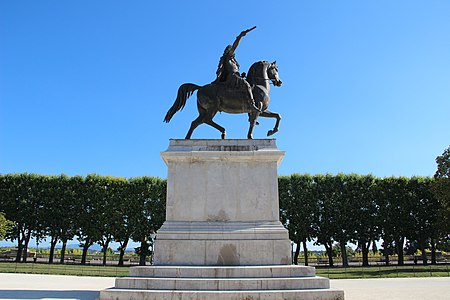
222	244
222	205
222	209
225	283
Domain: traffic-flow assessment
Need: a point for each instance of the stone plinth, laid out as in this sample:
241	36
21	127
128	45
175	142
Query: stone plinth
222	238
224	283
222	205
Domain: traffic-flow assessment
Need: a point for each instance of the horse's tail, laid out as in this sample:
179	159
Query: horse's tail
184	92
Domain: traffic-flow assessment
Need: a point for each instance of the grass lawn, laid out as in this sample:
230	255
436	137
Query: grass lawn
385	271
332	273
57	269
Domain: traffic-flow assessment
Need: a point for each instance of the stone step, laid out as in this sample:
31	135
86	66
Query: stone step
222	284
311	294
276	271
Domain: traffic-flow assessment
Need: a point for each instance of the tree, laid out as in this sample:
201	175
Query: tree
72	194
111	218
284	196
47	214
366	215
89	213
441	190
443	164
298	209
127	209
441	187
425	214
150	201
346	194
396	201
5	225
21	194
323	193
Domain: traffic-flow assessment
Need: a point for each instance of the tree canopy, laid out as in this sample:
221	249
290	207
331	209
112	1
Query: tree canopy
328	209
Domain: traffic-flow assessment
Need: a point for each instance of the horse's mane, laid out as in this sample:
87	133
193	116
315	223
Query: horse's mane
255	69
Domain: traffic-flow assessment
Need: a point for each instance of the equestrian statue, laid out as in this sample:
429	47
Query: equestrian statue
232	92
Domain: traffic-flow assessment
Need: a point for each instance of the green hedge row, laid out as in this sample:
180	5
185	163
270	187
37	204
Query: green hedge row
94	209
329	209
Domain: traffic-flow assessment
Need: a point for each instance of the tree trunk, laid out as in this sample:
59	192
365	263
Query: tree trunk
329	250
433	252
399	247
305	249
19	246
63	251
143	254
424	254
386	259
25	246
52	249
344	253
122	249
105	250
386	252
365	253
19	252
297	252
86	246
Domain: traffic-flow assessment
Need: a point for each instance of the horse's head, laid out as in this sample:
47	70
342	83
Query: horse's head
272	73
261	72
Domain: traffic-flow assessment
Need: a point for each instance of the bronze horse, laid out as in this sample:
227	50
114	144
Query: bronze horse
215	97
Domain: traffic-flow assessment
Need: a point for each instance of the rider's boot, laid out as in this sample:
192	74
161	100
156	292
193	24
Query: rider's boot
252	103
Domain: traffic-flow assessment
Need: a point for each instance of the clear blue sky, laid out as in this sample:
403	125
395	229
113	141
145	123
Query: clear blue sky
85	85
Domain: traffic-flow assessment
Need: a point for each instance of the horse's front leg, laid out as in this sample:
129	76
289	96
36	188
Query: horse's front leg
269	114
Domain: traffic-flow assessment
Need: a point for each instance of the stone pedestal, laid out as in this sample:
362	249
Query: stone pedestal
223	283
222	205
222	238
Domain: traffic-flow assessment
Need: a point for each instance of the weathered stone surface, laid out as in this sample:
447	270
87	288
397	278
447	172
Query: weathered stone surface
277	271
249	282
222	180
222	243
222	204
222	238
310	294
223	284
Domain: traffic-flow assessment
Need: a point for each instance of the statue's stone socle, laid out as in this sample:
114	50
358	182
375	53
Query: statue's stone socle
222	238
222	205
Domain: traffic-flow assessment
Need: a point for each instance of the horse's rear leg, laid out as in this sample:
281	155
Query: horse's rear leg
217	126
194	124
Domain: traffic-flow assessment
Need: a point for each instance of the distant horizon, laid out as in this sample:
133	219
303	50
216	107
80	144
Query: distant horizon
130	247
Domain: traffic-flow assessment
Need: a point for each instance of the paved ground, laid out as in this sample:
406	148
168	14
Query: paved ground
436	288
31	286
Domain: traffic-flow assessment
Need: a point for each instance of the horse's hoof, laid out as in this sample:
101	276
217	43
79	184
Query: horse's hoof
270	132
223	136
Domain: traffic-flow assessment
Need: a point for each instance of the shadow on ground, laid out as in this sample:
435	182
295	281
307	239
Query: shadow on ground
40	294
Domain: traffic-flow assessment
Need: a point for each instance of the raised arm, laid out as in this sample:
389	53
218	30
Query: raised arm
238	39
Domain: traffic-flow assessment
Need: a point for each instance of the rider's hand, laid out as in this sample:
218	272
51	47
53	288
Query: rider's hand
243	33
